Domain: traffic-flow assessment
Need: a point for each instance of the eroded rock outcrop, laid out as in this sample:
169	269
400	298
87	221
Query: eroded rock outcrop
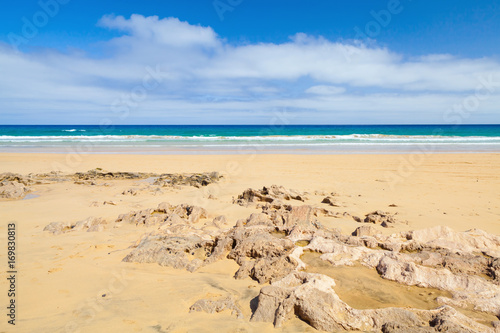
385	219
268	247
312	298
164	213
100	174
427	258
13	189
272	194
195	179
214	305
91	224
186	251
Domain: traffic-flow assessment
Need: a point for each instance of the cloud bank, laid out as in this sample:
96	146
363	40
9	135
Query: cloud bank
171	72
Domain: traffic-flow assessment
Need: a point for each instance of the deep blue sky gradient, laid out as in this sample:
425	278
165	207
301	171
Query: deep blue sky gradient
459	27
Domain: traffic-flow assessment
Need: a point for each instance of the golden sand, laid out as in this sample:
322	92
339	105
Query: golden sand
62	279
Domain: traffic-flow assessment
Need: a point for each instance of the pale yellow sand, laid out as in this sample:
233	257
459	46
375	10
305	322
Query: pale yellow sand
62	278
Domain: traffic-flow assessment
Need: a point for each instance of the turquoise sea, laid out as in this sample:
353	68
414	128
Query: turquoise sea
250	138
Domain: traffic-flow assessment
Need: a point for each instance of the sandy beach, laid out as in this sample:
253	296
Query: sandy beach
76	281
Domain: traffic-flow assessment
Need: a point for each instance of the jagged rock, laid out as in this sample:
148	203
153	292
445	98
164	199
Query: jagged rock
151	189
164	213
196	180
265	270
357	219
365	230
195	213
473	240
131	191
379	217
460	273
186	251
57	228
331	201
285	217
269	256
218	305
85	182
484	296
101	174
219	221
90	224
270	194
13	189
312	298
15	177
261	245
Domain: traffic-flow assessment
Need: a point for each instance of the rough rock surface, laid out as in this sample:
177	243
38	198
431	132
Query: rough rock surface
331	201
272	194
13	189
437	257
379	217
15	177
218	305
266	247
259	244
102	174
311	297
186	251
365	230
91	224
164	213
196	179
154	190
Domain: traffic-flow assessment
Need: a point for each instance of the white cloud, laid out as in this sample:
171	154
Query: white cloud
325	90
170	31
202	74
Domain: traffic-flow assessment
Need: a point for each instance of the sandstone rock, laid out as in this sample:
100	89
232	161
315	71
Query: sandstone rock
195	213
265	270
484	296
57	228
357	219
101	174
473	240
261	245
219	221
311	297
218	305
196	180
131	191
185	252
331	201
88	223
164	213
17	178
13	189
270	194
365	230
91	224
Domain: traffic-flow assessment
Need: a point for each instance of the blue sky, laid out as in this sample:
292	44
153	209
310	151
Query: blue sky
241	61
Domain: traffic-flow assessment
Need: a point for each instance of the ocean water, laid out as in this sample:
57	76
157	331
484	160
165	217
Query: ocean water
250	138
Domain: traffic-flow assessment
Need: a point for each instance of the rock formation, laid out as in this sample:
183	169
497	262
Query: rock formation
273	194
218	305
91	224
312	298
